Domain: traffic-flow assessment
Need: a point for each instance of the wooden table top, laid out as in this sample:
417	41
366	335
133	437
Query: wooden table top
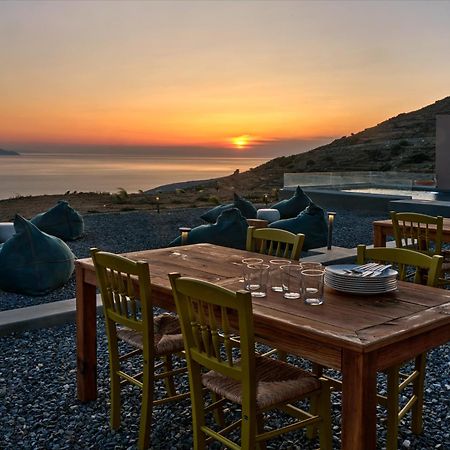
387	223
357	322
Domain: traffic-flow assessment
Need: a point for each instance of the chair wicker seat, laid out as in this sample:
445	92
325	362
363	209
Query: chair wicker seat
276	382
167	335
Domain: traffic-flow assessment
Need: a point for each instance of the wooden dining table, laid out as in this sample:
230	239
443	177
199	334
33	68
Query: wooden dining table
384	228
356	334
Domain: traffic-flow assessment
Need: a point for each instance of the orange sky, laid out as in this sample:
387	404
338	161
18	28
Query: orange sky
199	73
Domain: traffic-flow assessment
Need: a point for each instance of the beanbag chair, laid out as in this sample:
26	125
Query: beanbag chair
291	207
61	221
6	231
230	230
245	207
311	222
33	262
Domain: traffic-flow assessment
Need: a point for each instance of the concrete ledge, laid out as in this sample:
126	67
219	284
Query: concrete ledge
337	255
40	316
432	208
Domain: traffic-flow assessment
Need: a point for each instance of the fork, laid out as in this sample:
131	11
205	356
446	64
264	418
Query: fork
380	270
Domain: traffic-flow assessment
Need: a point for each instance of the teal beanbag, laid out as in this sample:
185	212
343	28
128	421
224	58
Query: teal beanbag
61	221
245	207
212	215
33	262
291	207
311	222
230	230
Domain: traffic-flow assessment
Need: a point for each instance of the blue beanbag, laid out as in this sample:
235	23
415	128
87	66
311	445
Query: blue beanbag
33	262
291	207
61	221
230	230
311	222
245	207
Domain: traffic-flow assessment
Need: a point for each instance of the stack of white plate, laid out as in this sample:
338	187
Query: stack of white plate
341	278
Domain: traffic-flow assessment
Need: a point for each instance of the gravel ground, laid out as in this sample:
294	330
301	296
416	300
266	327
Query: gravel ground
38	406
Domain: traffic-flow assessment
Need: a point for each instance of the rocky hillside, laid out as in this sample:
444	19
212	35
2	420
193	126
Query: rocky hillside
403	143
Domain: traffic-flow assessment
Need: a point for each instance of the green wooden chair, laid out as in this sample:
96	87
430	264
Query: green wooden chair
208	313
412	230
274	242
426	270
127	304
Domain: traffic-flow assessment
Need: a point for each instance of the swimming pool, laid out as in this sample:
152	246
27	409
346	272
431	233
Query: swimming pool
415	194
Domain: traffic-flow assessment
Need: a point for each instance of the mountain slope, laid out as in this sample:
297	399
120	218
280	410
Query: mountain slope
404	143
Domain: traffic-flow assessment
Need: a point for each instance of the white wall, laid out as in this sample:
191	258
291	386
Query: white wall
443	152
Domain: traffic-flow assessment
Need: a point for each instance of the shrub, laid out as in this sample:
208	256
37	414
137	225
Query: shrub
214	200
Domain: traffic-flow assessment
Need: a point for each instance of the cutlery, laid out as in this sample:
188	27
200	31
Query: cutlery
380	270
364	268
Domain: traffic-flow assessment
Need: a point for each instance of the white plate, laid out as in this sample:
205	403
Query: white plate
349	290
338	270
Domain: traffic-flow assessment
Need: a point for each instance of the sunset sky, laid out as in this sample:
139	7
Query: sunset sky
214	74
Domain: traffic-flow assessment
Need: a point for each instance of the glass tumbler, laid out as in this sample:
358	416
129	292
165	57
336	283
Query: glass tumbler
245	262
312	286
311	265
275	273
291	280
256	279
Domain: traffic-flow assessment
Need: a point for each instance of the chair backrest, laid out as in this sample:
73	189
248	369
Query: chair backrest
209	315
275	242
405	258
126	293
412	230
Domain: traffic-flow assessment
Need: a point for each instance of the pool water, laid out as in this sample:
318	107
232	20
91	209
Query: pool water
417	195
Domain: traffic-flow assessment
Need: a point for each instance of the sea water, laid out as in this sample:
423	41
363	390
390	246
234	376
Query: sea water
57	173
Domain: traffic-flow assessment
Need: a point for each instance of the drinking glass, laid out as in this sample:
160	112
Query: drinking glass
256	278
275	273
245	262
307	265
312	286
291	281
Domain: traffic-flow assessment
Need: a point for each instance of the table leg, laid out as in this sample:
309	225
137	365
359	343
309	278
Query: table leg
379	236
86	338
359	401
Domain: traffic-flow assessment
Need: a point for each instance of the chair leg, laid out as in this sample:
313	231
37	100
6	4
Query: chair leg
314	406
114	367
325	434
218	412
115	400
282	355
418	390
197	401
393	379
168	381
146	406
249	428
260	427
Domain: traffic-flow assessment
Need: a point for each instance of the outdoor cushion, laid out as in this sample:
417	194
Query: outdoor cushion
61	221
245	207
33	262
6	231
230	230
311	222
291	207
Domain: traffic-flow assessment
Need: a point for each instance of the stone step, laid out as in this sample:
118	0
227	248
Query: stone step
40	316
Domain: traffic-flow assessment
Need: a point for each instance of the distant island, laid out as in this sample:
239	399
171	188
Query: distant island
8	153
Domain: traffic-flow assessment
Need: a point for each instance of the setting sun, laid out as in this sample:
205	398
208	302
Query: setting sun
241	141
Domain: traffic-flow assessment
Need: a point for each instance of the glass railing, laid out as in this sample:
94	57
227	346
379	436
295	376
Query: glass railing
350	180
